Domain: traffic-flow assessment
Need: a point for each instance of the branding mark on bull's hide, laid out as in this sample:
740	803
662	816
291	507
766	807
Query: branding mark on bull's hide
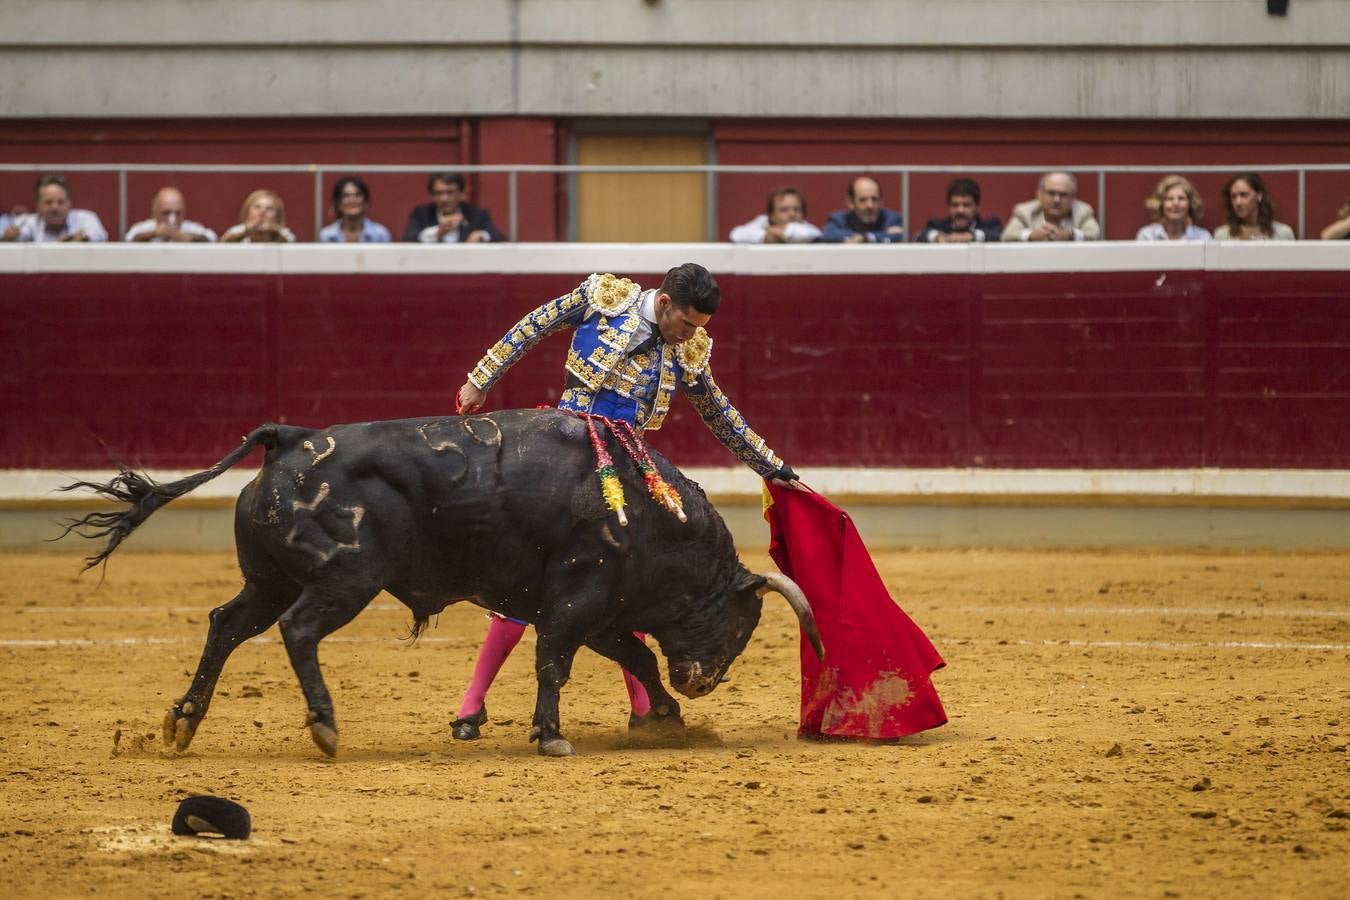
324	532
320	457
454	465
434	434
493	438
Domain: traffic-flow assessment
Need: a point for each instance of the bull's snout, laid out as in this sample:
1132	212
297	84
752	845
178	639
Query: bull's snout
691	679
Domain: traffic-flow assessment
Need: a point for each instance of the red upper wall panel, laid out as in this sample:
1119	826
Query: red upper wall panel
1091	369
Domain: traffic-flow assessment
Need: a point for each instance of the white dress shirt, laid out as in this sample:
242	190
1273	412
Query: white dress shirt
196	229
753	232
33	228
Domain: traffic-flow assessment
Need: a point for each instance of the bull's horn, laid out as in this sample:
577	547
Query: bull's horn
779	583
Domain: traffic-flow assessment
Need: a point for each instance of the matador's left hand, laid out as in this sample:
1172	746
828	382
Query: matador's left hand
787	478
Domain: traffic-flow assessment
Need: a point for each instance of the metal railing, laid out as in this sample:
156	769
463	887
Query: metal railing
710	173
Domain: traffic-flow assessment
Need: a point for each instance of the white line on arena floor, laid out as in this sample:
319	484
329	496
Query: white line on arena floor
980	610
1153	611
1046	642
1152	645
135	641
204	609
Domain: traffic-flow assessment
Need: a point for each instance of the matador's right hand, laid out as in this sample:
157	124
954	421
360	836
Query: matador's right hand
469	399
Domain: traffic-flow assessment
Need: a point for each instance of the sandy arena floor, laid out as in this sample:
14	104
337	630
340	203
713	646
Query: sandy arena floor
1122	725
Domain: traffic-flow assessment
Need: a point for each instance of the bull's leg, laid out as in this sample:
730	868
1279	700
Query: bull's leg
553	666
638	658
249	614
577	599
321	610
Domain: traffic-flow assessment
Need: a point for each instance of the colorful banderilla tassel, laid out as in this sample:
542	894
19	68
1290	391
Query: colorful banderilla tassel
658	487
610	485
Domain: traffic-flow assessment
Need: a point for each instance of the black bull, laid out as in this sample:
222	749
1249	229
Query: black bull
504	510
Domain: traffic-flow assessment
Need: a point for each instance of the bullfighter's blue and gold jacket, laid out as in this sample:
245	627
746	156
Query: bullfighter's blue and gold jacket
603	378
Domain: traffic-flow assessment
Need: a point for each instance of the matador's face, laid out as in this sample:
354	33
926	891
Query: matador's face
677	323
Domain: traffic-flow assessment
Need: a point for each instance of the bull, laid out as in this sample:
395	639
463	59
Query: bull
502	510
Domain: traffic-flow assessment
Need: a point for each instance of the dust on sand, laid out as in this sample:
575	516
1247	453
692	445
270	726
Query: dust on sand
1122	724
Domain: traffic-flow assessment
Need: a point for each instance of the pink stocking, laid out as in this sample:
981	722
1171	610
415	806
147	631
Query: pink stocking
637	694
502	637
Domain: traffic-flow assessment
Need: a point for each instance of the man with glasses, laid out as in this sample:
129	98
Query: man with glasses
1055	215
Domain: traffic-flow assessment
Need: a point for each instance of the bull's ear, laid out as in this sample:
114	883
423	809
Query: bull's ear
749	581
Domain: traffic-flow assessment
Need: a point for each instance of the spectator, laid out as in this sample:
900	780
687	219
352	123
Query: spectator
1055	215
783	222
1340	229
865	219
262	220
448	219
17	211
1251	216
168	221
1175	208
963	224
55	219
351	202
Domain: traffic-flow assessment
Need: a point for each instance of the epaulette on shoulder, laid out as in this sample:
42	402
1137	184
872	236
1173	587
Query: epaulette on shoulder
611	295
694	355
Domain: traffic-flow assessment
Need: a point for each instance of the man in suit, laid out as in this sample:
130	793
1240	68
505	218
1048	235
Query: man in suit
1055	215
448	219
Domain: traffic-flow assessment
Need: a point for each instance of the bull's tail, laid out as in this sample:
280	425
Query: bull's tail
146	495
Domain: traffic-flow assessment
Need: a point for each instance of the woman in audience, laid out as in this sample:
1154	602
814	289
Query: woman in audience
1340	229
351	202
1175	208
261	220
1251	217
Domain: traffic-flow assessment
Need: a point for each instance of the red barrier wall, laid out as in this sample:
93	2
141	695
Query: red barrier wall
1097	369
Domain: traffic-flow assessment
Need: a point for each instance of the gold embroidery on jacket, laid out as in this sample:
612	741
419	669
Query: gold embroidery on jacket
694	355
524	335
665	390
611	295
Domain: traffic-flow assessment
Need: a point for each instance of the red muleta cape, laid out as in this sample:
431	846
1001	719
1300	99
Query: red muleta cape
874	682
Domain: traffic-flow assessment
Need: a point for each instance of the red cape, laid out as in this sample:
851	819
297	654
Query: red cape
874	682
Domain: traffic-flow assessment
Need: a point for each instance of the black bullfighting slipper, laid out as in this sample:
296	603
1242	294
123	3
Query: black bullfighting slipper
212	815
635	721
467	729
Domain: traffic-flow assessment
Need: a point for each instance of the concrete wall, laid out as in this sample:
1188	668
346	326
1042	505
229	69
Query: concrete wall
865	58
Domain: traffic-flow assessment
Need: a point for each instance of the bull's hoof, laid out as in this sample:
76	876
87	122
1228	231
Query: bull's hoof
325	735
325	738
180	724
556	747
467	729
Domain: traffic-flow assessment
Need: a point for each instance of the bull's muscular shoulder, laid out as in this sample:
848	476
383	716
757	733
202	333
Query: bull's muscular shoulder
610	294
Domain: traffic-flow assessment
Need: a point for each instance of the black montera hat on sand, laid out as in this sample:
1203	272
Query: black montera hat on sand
212	815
